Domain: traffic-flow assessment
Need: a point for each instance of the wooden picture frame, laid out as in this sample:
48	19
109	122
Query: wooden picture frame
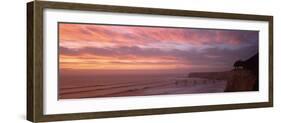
35	60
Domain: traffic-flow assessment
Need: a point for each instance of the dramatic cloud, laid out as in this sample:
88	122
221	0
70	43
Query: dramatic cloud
109	47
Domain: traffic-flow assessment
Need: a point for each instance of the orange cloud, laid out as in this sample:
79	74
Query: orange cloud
119	63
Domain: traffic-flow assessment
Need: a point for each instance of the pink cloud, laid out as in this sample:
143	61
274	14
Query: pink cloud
79	35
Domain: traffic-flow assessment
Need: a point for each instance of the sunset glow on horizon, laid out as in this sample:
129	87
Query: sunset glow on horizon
117	47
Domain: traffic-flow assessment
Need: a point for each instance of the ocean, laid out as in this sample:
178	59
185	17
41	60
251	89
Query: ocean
112	85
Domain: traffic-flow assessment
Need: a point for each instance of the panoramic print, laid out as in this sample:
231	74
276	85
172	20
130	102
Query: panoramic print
102	60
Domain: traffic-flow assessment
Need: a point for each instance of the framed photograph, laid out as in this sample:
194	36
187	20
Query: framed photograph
89	61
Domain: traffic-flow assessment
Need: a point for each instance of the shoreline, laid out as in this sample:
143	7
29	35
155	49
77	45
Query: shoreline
237	80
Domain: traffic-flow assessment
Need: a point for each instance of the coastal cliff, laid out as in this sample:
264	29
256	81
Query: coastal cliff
244	76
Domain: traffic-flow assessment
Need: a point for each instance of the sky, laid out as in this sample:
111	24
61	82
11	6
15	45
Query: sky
93	47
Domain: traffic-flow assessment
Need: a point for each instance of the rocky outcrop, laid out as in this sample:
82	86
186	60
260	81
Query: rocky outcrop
252	65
